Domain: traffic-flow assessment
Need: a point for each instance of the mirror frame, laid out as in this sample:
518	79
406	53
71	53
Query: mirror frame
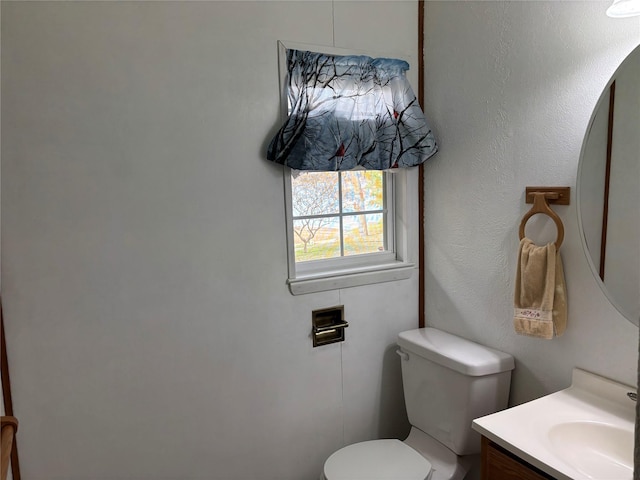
604	97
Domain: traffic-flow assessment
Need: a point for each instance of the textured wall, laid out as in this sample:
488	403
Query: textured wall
151	333
511	87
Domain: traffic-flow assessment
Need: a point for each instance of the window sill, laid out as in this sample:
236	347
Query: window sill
350	278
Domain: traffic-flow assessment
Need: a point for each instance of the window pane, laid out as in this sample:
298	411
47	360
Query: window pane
316	238
363	233
362	190
314	193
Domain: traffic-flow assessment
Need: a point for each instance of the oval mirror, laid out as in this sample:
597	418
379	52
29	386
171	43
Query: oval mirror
608	189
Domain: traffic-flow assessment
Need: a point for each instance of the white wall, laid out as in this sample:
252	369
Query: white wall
511	87
149	327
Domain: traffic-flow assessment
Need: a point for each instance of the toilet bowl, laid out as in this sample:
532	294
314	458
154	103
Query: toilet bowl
448	381
385	459
419	457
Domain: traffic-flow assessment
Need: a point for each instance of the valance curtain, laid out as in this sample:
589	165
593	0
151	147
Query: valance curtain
350	112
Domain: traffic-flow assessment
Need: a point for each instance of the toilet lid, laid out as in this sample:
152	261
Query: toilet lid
377	460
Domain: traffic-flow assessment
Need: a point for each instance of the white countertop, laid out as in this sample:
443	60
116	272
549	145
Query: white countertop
582	432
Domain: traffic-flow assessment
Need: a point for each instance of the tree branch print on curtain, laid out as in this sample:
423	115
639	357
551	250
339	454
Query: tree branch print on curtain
350	111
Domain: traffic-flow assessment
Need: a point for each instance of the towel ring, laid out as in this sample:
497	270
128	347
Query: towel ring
540	205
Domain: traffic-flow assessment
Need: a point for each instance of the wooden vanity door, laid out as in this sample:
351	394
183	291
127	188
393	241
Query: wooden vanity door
499	464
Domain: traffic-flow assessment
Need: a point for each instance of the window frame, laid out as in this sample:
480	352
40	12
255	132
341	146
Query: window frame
397	263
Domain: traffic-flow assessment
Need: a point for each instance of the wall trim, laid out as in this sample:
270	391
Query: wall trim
421	272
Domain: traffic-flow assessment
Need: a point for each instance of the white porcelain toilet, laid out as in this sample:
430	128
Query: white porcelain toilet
448	381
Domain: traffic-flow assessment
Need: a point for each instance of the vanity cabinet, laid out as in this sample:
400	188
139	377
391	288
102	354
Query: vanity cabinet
499	464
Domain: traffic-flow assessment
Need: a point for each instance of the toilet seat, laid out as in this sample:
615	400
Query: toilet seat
377	460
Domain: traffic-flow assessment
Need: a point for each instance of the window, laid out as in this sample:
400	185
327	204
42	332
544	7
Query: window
349	228
341	214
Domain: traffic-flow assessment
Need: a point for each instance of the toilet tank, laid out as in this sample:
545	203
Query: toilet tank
449	381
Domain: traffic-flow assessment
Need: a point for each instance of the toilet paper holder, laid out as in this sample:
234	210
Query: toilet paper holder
328	325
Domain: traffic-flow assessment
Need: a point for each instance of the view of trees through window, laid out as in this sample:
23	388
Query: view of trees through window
338	214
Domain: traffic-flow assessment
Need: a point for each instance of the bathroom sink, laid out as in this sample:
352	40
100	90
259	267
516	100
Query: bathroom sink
585	431
597	450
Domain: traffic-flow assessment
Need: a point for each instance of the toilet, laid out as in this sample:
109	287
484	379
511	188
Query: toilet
448	381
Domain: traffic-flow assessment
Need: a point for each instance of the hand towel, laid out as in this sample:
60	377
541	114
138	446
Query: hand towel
540	299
